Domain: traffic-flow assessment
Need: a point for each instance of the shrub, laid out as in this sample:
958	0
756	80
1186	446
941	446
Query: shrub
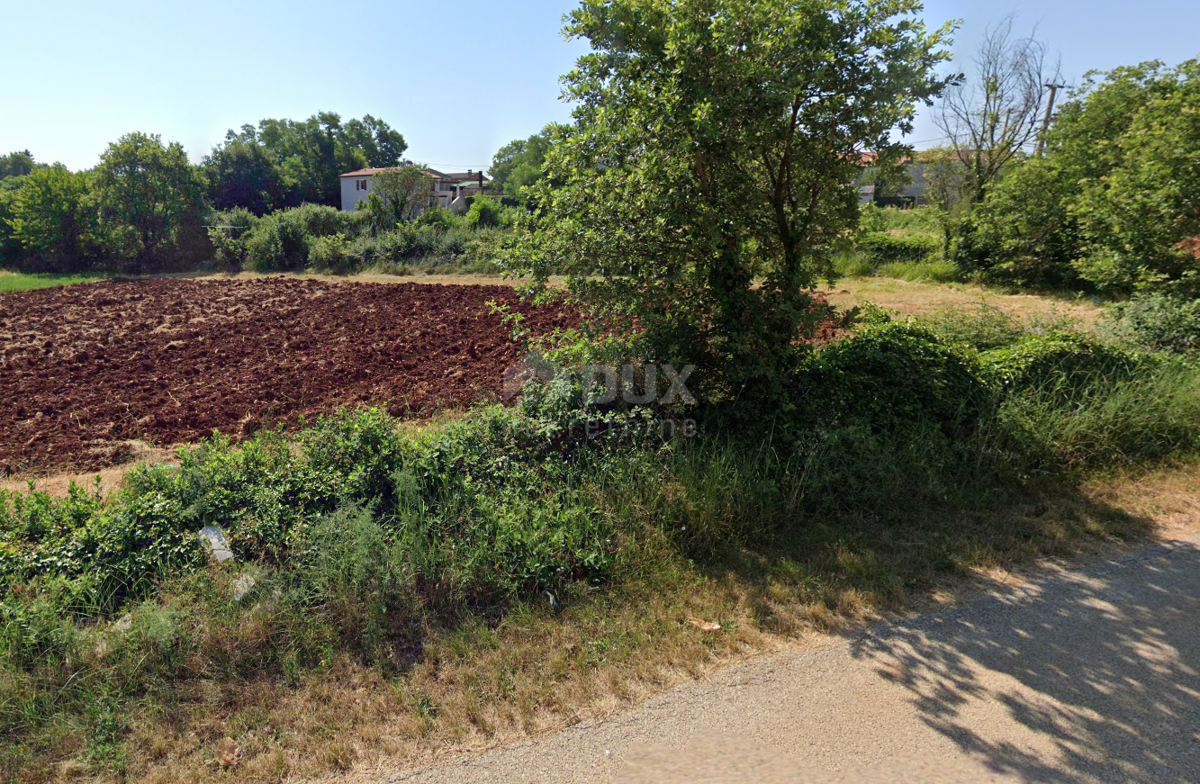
1162	322
440	217
484	213
1058	365
893	374
884	248
283	239
229	235
330	254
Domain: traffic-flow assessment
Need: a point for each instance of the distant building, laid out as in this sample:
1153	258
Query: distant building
450	191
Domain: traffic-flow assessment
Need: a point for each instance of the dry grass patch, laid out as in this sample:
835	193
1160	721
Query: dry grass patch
923	299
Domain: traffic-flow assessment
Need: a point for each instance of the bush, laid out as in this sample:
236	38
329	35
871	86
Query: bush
1058	365
330	254
228	236
919	220
1161	322
895	374
484	213
439	216
283	240
884	248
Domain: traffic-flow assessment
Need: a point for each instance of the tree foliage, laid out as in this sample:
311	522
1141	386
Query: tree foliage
307	157
708	173
52	218
519	165
400	194
243	174
148	194
16	164
1114	201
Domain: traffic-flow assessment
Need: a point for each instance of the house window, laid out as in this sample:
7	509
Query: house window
362	185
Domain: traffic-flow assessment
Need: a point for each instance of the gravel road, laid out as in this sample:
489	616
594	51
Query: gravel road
1084	676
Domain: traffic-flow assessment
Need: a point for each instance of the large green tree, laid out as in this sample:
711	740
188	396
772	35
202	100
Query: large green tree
148	194
309	155
241	173
708	174
1113	201
400	193
519	165
379	142
1141	219
51	217
16	164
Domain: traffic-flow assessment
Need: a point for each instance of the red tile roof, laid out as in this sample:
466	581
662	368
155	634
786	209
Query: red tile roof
437	175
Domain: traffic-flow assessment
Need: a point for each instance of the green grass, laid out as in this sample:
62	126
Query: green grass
859	265
935	271
15	281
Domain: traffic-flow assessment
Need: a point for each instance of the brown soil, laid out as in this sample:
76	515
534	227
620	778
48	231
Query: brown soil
85	370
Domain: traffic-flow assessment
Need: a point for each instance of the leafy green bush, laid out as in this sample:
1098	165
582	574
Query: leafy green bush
106	551
893	374
441	217
330	254
884	247
919	220
484	212
1159	321
284	239
1059	365
228	236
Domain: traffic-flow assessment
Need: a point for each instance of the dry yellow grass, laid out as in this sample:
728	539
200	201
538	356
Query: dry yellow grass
920	299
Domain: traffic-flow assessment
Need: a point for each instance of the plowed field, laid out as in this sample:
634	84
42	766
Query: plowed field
86	369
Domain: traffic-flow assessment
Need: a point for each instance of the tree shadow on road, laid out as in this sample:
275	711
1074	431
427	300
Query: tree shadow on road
1096	672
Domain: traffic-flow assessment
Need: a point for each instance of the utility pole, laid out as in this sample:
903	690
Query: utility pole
1054	88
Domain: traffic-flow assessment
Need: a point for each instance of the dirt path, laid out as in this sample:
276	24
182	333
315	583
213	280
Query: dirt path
1084	676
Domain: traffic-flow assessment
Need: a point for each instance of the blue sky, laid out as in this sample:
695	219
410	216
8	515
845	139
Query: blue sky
458	79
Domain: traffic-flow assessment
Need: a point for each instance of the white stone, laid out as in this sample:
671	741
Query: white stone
218	545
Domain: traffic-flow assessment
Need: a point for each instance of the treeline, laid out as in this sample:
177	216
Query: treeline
1109	208
145	207
1113	204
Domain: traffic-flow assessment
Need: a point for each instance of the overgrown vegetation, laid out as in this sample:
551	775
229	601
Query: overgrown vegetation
323	239
359	542
266	199
674	199
472	572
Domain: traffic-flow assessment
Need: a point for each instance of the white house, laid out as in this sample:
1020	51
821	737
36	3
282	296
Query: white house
449	190
358	185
